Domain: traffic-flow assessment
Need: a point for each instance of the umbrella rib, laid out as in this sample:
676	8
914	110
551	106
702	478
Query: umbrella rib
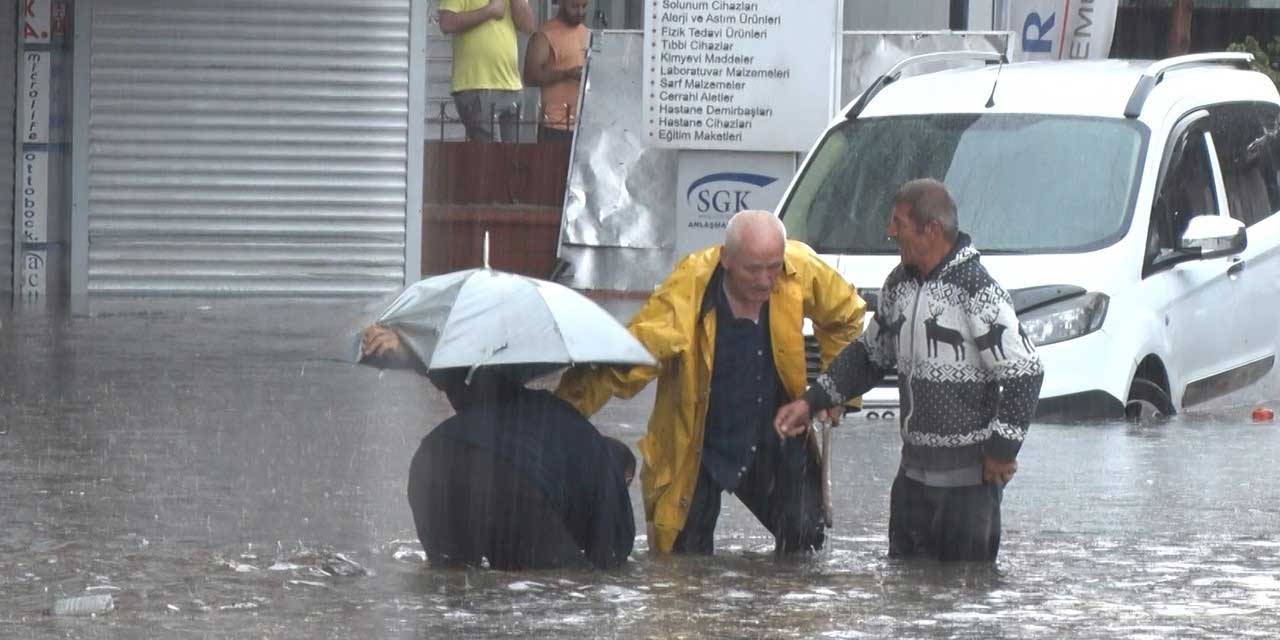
555	325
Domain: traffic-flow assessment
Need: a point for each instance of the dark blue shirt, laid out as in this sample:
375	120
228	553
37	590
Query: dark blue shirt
745	389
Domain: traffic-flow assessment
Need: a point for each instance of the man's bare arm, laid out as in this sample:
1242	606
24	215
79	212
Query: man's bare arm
536	55
522	16
536	58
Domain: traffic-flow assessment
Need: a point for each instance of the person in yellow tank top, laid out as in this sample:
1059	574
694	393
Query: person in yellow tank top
486	81
553	61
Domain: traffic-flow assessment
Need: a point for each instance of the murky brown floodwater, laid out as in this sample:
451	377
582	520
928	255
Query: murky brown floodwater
205	464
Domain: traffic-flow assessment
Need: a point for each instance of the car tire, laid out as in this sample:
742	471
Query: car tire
1147	401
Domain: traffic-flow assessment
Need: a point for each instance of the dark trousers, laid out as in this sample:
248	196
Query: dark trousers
782	488
558	136
469	505
944	523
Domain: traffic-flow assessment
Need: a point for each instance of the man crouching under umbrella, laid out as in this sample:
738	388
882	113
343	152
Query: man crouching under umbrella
516	477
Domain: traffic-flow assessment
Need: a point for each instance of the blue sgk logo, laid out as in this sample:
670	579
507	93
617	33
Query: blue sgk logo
724	192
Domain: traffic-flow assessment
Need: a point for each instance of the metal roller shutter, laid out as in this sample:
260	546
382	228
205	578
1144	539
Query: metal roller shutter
8	109
248	147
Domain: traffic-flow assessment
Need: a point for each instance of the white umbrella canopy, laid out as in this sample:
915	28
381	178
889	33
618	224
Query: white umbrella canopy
482	317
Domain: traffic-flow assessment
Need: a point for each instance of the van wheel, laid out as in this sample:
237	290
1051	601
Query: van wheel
1147	401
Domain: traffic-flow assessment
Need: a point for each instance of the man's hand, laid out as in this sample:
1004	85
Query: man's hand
497	9
998	472
793	419
378	340
831	417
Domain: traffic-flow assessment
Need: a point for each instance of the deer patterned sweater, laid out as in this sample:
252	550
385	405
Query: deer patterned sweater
968	377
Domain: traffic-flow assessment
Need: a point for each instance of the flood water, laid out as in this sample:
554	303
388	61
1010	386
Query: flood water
213	468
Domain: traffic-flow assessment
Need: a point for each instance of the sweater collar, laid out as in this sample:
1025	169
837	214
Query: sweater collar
962	251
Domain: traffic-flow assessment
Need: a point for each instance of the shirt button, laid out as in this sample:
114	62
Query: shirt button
742	471
753	447
759	352
759	400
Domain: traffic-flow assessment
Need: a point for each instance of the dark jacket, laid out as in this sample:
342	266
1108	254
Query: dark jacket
562	458
968	378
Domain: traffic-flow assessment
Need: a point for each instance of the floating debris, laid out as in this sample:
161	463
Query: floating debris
239	606
239	567
83	605
340	565
404	553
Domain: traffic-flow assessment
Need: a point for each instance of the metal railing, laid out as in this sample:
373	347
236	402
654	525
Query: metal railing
447	121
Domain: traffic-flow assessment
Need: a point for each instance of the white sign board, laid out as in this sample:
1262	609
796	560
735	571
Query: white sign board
738	75
33	104
1062	29
35	21
712	186
35	274
33	196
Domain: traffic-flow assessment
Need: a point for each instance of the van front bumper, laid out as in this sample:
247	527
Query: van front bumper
1087	377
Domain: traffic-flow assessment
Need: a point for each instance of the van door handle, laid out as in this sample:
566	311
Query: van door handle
1234	270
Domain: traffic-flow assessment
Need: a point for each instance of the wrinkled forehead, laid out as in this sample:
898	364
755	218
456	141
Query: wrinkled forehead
762	249
902	212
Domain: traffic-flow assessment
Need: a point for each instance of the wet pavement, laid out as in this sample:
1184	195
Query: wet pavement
214	469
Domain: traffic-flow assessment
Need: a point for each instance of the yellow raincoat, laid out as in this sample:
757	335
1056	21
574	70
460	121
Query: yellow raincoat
683	342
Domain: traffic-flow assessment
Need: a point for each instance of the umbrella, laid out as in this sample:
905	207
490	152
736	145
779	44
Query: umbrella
483	317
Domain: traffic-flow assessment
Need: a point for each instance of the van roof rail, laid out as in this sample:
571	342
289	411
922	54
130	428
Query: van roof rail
895	72
1153	74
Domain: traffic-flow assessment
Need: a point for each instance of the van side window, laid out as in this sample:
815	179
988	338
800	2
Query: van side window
1247	138
1187	192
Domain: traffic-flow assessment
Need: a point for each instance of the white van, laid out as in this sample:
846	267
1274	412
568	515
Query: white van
1127	207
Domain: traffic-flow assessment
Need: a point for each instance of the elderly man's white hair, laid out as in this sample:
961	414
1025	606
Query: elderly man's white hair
749	222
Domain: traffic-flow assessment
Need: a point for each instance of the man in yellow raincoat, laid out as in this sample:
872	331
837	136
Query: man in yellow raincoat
726	330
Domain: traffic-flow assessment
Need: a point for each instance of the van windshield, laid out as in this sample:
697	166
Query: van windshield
1022	183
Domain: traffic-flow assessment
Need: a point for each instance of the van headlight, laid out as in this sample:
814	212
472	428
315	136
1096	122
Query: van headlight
1066	319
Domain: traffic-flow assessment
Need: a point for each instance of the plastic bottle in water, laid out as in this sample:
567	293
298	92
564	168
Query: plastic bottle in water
83	605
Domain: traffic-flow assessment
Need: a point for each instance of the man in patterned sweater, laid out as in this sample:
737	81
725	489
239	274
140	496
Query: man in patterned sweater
968	382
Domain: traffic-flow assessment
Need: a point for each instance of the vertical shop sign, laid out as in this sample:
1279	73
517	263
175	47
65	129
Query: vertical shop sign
34	104
33	192
35	21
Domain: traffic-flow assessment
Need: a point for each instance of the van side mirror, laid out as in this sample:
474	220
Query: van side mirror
1212	236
